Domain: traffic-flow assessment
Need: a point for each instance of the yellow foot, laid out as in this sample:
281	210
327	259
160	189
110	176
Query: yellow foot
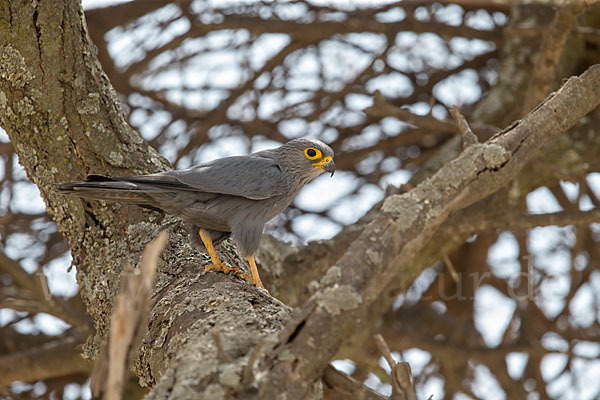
225	268
220	267
245	277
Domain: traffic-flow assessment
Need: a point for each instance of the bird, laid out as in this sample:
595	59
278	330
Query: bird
231	196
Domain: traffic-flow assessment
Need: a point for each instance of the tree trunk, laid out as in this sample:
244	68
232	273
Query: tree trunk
64	119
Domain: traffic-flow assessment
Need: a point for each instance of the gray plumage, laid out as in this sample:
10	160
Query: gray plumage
236	195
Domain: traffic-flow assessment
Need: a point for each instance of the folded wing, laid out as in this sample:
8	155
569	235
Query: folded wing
251	177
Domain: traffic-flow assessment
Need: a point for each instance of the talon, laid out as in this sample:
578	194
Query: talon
221	267
245	276
227	268
213	267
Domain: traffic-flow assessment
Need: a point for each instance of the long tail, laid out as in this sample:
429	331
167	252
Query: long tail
113	189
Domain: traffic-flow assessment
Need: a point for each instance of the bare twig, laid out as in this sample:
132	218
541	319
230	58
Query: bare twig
450	267
248	370
339	386
402	384
381	108
224	357
384	350
468	137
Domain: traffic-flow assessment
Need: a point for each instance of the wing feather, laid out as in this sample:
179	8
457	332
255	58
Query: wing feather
251	176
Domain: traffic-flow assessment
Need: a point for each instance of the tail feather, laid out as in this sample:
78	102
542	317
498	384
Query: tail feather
104	188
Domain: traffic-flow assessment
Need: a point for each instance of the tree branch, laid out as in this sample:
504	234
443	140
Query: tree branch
468	137
515	220
402	384
403	227
128	324
555	37
381	108
339	386
52	359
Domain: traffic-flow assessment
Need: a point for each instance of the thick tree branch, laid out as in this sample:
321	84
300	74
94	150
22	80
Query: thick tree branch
401	230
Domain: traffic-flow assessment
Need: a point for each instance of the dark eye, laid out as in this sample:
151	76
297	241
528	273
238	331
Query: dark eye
311	152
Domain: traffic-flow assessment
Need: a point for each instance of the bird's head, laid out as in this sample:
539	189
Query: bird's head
308	157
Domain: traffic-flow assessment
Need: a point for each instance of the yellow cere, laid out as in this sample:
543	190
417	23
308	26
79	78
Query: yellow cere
324	161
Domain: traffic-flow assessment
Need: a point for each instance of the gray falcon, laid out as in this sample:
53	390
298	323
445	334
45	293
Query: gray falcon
230	196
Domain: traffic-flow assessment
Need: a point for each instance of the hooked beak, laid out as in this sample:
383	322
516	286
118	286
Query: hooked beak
326	166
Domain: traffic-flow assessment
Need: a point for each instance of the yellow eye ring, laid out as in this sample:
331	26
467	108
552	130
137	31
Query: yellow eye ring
312	154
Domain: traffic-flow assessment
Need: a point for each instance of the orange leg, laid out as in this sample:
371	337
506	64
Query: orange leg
254	270
217	265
